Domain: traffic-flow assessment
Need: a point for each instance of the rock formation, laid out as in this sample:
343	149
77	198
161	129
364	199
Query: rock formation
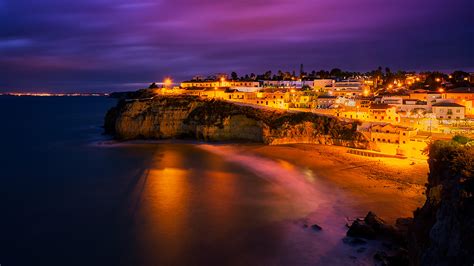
442	232
212	120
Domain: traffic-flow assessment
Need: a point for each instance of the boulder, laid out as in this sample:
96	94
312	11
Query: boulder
316	227
360	228
354	241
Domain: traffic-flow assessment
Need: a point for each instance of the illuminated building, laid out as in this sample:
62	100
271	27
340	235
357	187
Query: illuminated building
448	110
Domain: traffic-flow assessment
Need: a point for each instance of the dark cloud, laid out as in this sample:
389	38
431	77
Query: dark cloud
115	44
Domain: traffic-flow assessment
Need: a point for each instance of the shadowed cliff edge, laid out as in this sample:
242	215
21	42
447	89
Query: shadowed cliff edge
164	117
442	230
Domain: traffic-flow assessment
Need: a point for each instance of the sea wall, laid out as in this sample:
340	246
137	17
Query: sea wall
212	120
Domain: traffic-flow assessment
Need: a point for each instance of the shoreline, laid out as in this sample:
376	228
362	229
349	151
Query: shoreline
392	188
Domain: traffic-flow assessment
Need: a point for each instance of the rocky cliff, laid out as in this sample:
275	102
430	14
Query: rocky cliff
211	120
442	232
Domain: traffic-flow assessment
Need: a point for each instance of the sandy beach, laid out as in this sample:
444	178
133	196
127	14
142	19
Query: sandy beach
392	188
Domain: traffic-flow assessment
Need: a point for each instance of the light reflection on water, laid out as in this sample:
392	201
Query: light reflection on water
207	205
69	196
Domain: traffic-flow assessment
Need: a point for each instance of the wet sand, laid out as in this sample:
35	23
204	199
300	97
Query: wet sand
392	188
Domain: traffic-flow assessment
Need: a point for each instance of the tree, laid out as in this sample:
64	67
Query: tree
268	75
280	75
153	86
323	74
461	139
234	76
335	72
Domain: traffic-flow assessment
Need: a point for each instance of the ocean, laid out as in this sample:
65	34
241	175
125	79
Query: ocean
71	196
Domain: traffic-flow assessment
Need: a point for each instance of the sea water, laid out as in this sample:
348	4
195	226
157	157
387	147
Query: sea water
71	196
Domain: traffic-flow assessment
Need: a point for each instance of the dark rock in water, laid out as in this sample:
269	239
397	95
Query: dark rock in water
316	227
361	229
403	223
354	241
380	256
372	227
374	221
400	258
361	249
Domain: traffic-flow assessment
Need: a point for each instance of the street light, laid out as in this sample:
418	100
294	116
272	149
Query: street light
167	82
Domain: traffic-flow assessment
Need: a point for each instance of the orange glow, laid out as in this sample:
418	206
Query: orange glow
441	90
167	81
438	79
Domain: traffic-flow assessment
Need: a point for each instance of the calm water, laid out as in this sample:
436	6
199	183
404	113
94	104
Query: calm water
70	197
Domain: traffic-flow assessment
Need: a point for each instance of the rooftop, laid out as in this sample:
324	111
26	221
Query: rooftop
447	104
461	90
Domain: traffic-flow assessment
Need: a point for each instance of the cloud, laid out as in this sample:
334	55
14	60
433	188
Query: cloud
106	42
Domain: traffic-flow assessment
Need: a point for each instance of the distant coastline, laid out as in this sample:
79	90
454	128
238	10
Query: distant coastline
47	94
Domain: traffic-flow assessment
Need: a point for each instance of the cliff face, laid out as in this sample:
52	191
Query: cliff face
442	232
191	117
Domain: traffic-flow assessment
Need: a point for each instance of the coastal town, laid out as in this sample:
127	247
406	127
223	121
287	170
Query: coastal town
400	113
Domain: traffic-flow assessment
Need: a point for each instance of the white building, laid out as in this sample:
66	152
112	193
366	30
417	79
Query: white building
448	110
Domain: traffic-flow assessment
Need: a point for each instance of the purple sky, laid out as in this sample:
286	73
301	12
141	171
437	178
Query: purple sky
104	45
